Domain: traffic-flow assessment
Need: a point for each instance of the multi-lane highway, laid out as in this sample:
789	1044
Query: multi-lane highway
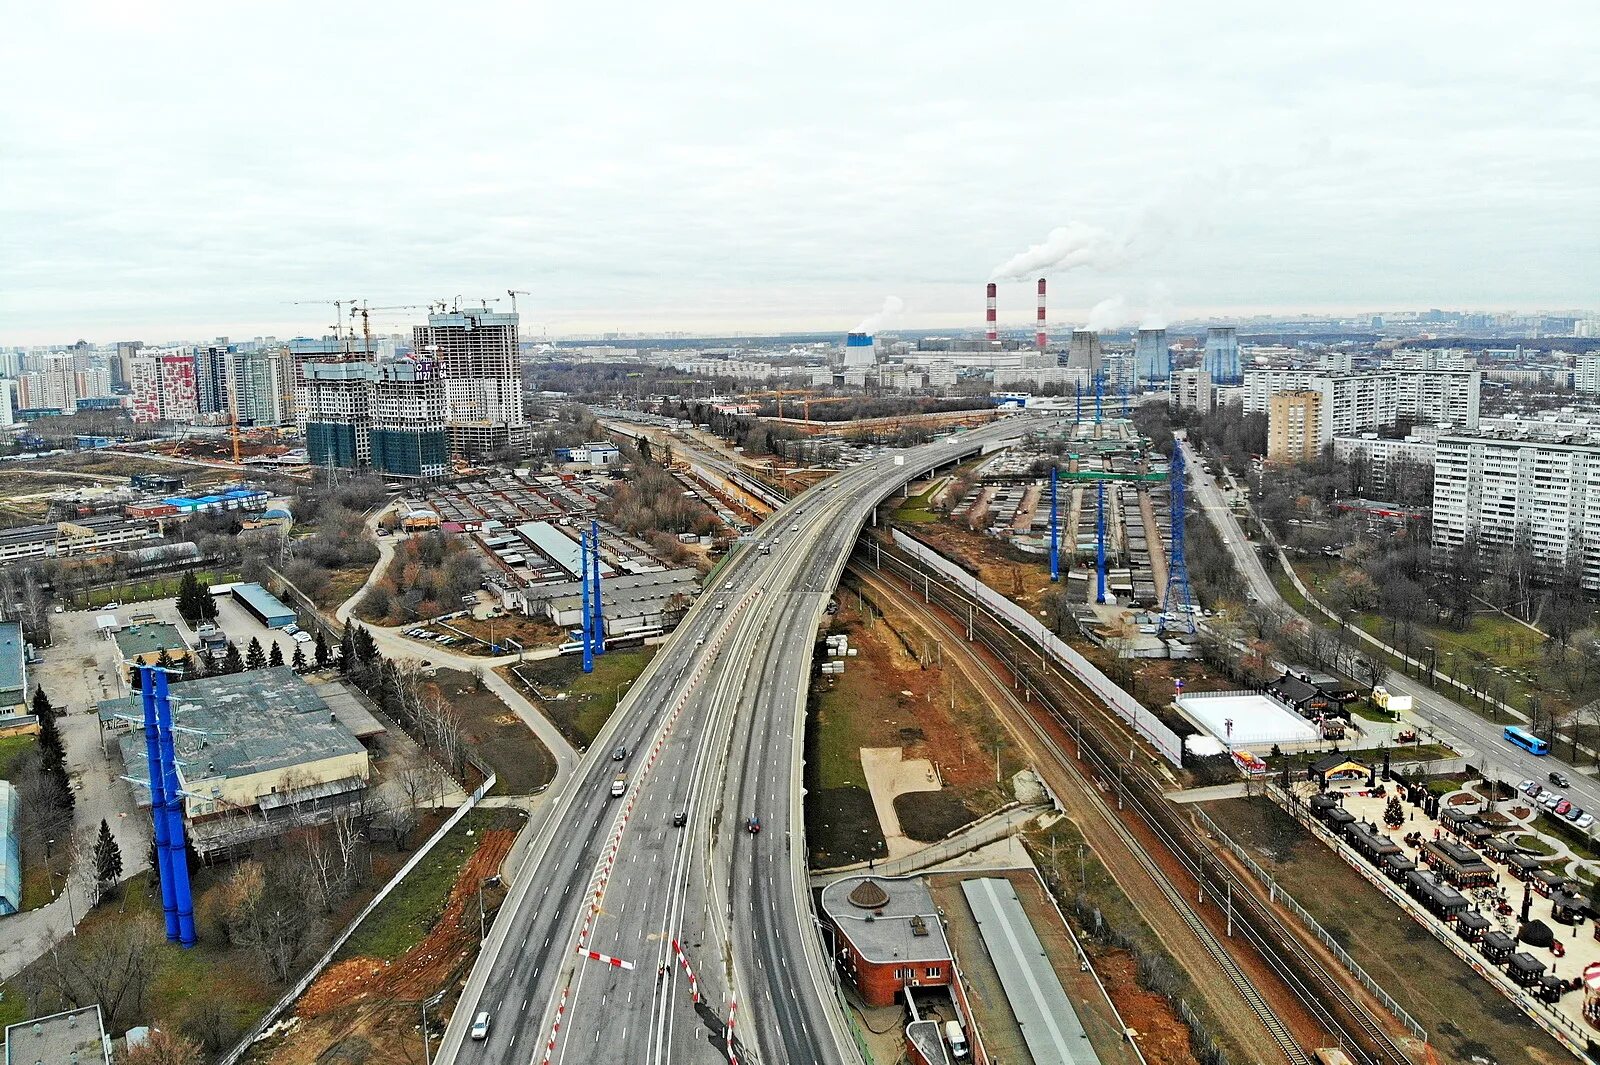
580	965
1449	720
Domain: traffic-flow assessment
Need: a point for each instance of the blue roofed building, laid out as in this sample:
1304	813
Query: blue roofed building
10	851
263	605
13	669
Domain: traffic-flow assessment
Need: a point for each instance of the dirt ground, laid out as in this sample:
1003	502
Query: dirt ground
1163	1038
886	698
521	763
365	1009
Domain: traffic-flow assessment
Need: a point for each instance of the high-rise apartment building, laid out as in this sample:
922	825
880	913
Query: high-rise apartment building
337	412
1083	350
1294	427
409	407
253	383
122	364
1505	489
1222	354
211	378
163	386
1586	374
1191	390
1152	358
477	352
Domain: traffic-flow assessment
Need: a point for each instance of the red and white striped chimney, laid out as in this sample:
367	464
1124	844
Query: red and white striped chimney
1039	337
990	321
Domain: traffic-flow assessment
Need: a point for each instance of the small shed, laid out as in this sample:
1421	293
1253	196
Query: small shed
1522	866
1472	926
1396	866
1551	988
1497	946
1524	969
1338	767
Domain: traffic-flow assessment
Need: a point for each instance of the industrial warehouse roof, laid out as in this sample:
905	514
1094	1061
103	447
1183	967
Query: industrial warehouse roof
13	660
149	638
243	723
1050	1026
75	1035
258	599
651	585
559	547
905	928
10	851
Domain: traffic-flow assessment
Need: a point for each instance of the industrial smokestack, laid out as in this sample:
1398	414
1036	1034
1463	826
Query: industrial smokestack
993	333
1039	332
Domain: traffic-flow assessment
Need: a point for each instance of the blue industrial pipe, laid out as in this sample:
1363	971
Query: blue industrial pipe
1100	540
1099	379
176	847
586	638
597	626
1055	529
158	804
1079	387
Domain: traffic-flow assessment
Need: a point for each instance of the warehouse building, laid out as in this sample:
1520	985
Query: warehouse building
13	669
630	602
258	753
72	1037
262	604
889	935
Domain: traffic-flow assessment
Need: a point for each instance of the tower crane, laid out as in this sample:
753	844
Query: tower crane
514	293
338	310
366	322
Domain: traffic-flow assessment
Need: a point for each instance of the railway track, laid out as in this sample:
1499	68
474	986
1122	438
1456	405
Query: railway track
1304	975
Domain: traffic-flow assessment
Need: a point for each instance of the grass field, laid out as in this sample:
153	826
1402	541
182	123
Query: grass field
1467	1020
14	750
914	510
145	591
579	703
404	918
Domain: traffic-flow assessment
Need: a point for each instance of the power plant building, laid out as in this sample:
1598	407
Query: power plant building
1222	355
1152	359
1083	350
860	353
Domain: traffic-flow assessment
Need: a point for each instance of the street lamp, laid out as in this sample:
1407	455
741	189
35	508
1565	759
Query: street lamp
434	1001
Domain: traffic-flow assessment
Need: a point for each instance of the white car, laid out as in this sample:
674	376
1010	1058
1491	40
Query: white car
480	1026
1550	800
302	637
291	629
1585	821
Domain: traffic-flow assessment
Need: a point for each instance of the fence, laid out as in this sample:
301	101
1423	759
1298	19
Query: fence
1276	893
1145	723
300	985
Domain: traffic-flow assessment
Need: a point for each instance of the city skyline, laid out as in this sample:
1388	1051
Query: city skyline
783	171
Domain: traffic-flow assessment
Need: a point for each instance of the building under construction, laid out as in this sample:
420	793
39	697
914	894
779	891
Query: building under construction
476	351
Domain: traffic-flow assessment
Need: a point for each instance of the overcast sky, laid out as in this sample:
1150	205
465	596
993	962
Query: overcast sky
184	171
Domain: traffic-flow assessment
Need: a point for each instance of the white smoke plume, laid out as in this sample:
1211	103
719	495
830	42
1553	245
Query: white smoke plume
1157	311
1068	247
891	309
1113	313
1118	312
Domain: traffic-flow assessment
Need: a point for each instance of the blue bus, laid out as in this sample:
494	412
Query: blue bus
1526	740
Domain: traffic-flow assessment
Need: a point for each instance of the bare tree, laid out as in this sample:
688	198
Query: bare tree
110	963
165	1047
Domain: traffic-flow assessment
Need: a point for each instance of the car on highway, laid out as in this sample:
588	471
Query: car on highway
794	528
619	754
1559	779
618	786
680	818
753	825
728	587
480	1026
719	604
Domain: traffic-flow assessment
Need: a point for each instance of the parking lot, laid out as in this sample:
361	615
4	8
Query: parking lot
241	627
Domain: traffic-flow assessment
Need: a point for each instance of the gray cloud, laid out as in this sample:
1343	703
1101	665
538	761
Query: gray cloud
187	167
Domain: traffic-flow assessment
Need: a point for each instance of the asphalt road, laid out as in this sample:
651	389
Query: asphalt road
1445	718
713	729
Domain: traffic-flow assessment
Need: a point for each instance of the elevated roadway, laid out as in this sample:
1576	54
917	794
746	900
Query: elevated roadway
580	965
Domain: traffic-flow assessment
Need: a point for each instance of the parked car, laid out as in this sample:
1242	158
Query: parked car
1561	808
1585	821
302	637
290	629
1550	800
1529	788
1574	813
1559	779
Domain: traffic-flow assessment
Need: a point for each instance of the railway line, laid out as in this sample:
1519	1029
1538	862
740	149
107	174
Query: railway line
1280	948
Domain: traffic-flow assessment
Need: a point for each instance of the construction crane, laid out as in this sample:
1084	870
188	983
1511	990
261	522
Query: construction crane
514	293
338	311
366	321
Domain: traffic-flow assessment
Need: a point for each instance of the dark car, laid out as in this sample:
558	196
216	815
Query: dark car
753	825
680	818
1559	779
619	754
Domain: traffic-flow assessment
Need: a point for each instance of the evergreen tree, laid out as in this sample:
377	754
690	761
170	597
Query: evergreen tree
1393	814
299	659
164	660
189	598
365	646
62	787
275	656
322	649
107	858
347	649
254	656
52	754
232	660
42	705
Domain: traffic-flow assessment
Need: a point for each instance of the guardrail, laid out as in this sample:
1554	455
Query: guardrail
293	994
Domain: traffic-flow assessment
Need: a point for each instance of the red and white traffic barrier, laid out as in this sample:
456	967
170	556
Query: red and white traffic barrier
683	963
595	955
733	1005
